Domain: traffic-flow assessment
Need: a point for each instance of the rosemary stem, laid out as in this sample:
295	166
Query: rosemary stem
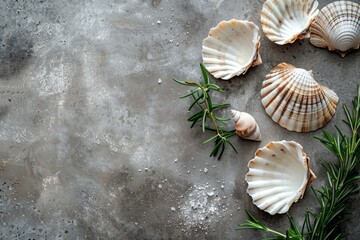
275	232
214	122
211	115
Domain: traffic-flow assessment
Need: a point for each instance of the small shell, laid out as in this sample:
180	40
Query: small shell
285	21
294	100
246	126
231	48
337	27
278	176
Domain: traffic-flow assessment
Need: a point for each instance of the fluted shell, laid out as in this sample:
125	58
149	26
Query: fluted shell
337	27
294	100
246	126
231	48
278	176
285	21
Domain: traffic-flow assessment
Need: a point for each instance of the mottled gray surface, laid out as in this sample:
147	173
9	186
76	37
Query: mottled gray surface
93	147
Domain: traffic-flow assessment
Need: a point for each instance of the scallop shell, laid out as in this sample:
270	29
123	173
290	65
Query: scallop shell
246	126
285	21
294	100
231	48
337	27
278	176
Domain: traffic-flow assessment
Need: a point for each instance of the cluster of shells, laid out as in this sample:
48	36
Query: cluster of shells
279	173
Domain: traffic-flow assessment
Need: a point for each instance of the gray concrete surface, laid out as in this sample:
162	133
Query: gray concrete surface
93	147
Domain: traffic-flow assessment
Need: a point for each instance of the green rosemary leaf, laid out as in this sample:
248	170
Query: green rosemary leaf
350	119
216	148
204	121
180	82
223	149
340	236
187	83
316	195
306	223
204	73
222	119
213	87
293	227
204	97
196	116
351	180
217	106
210	129
228	134
193	124
291	235
196	101
189	94
232	146
252	222
222	124
212	138
195	97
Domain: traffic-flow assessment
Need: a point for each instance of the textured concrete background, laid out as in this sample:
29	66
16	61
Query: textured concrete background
93	147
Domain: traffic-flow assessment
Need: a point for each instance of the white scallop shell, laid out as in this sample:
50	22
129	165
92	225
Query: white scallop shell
246	126
231	48
285	21
294	100
278	176
337	27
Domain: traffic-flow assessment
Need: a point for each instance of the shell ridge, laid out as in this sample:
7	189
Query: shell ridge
291	111
212	51
213	41
264	183
214	61
267	204
282	95
281	206
268	193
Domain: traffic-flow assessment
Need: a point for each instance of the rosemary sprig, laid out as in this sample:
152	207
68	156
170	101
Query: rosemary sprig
334	197
206	109
252	223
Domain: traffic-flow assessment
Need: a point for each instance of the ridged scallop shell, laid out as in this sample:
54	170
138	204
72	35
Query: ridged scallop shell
231	48
337	27
246	126
278	176
294	100
285	21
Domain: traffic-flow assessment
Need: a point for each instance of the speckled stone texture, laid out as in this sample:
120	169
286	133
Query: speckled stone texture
94	147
